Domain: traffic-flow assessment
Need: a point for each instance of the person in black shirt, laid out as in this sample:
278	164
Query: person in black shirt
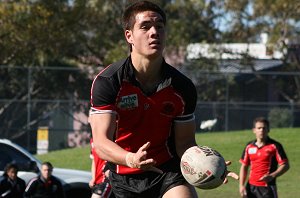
11	186
45	185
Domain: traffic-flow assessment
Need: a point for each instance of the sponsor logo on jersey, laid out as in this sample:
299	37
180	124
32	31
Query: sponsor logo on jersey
168	109
252	150
128	102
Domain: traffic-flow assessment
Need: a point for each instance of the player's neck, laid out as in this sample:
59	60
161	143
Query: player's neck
147	71
260	142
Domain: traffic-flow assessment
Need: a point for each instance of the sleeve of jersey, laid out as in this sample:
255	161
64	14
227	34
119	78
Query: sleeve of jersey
245	157
280	154
103	96
189	94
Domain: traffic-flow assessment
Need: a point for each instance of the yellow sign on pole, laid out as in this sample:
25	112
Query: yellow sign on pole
43	133
42	140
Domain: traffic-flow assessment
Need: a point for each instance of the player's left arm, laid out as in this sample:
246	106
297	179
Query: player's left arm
184	136
92	181
283	168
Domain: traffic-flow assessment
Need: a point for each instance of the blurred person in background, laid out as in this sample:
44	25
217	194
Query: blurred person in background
45	185
99	183
267	160
11	186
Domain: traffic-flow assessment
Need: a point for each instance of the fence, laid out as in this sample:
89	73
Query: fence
58	98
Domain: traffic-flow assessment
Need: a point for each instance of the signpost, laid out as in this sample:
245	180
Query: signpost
42	140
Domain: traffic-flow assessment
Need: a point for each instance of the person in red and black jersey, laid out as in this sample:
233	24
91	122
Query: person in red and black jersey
45	185
142	112
267	160
99	184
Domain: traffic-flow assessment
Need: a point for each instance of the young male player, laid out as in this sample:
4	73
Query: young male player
142	112
263	155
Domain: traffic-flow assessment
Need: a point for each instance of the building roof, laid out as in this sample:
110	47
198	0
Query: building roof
235	66
231	51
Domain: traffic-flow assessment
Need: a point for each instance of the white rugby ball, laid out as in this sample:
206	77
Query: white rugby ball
203	167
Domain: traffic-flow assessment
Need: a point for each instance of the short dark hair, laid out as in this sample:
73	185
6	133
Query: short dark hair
132	10
10	166
48	164
263	120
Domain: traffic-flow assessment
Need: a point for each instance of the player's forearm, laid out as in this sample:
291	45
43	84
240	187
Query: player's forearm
110	151
182	147
184	136
243	175
280	170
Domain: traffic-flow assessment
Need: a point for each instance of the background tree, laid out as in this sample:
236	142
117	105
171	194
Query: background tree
84	35
279	19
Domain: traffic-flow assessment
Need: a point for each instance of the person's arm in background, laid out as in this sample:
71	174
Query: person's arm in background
30	188
92	181
243	177
60	190
283	168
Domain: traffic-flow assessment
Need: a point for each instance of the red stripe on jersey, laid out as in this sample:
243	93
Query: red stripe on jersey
99	165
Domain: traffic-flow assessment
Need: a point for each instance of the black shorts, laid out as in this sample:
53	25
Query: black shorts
261	191
148	184
103	189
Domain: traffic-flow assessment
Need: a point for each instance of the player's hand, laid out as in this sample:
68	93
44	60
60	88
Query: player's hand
230	173
267	178
91	183
139	160
243	192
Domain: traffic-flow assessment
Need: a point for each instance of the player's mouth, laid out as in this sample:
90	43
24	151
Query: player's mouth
155	43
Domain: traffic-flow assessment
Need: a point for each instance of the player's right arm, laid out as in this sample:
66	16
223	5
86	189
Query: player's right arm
103	128
243	176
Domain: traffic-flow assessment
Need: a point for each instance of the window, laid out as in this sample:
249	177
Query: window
11	155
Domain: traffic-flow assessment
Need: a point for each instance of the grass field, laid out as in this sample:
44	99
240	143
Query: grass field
229	144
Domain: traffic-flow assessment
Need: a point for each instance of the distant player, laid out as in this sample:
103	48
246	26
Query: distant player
263	155
99	184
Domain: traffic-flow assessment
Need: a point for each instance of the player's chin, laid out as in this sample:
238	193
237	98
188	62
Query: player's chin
154	54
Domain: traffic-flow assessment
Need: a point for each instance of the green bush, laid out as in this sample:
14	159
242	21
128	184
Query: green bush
280	117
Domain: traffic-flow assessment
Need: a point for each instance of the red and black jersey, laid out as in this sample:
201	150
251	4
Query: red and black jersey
263	160
143	117
99	165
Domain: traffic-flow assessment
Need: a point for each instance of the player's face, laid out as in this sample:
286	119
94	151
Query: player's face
147	37
260	130
46	172
12	174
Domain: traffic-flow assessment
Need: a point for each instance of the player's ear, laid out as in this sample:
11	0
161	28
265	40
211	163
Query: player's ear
128	36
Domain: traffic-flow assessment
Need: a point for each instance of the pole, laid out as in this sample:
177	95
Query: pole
28	106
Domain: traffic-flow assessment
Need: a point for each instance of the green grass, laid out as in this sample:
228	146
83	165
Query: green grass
229	144
75	158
